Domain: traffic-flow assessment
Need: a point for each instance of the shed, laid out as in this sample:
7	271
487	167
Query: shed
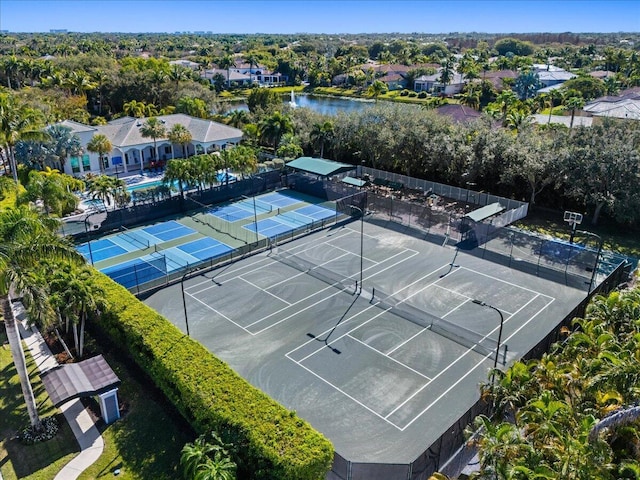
90	377
485	212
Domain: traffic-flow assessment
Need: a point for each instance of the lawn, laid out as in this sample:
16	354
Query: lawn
37	462
144	444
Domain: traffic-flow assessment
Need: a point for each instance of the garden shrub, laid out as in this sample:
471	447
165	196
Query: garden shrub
413	94
422	95
270	441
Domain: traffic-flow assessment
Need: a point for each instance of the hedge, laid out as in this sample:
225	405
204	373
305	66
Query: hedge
270	441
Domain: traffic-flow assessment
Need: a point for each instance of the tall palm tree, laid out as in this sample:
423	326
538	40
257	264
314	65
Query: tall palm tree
179	134
251	59
101	145
573	103
274	127
134	108
226	62
105	188
153	128
237	118
26	238
321	133
179	171
17	123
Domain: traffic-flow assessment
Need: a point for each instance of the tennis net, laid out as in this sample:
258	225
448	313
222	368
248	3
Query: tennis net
297	218
328	276
463	336
259	204
134	237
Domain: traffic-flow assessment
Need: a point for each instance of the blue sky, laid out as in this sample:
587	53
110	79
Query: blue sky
321	16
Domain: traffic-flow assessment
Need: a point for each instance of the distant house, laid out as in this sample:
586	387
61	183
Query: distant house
458	113
432	84
551	75
602	74
244	74
578	121
625	105
497	77
132	152
186	64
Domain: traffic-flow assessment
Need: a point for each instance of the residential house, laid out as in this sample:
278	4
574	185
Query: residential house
625	105
551	75
458	113
432	84
186	64
497	78
132	152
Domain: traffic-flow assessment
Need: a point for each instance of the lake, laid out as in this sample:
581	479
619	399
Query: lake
324	105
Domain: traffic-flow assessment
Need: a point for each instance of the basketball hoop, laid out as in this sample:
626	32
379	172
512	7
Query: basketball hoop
574	219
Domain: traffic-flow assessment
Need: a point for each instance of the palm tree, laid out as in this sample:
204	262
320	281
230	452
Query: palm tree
26	238
105	188
251	59
76	297
573	103
376	89
18	123
153	128
64	144
178	73
273	127
134	108
179	134
179	171
237	118
321	133
226	62
101	145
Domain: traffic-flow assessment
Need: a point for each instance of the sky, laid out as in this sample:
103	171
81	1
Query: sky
321	16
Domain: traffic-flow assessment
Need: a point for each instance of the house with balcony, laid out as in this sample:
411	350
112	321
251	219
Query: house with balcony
132	153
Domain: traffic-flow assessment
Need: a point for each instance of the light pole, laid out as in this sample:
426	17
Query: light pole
495	360
361	241
86	231
184	302
595	265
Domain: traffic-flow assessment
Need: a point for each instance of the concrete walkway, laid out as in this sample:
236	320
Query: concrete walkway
88	436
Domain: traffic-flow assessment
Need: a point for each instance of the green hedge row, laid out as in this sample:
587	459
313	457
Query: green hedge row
271	442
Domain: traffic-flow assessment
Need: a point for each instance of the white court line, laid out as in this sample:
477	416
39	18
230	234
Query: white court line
333	285
264	290
219	313
507	283
387	356
470	371
374	305
251	264
345	393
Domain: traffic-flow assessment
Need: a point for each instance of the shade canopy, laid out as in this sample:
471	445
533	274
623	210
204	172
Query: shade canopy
485	212
319	166
75	380
356	182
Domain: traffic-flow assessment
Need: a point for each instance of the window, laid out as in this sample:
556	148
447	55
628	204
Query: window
167	149
75	164
86	163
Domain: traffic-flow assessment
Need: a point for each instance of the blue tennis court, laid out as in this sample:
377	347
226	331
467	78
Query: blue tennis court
231	213
316	212
278	200
294	219
205	248
269	227
167	231
100	250
141	270
559	250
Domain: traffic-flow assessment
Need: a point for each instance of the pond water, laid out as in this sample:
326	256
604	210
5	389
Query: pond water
324	105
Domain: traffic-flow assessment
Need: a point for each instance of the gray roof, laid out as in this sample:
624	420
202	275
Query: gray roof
77	127
485	212
356	182
558	76
125	131
319	166
74	380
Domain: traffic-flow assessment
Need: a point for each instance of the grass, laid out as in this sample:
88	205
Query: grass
144	444
37	462
547	222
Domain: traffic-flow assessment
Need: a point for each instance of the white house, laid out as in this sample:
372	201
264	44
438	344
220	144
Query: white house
432	84
245	74
186	64
132	152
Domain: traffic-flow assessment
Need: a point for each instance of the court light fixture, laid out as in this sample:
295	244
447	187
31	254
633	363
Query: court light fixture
495	360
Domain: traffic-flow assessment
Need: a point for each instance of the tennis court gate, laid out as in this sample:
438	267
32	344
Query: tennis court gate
448	454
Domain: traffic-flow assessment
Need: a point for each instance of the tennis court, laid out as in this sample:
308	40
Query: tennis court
382	352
